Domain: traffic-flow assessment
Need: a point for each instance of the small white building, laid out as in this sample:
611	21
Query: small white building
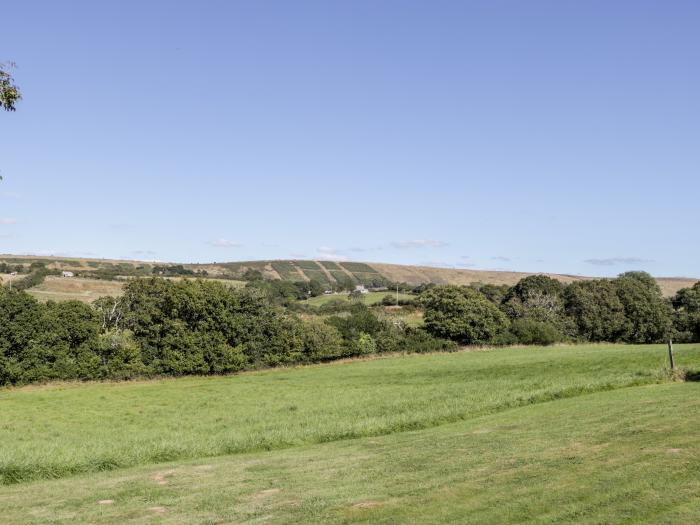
361	288
68	274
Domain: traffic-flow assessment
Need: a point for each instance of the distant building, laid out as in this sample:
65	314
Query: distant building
68	274
328	292
361	288
13	274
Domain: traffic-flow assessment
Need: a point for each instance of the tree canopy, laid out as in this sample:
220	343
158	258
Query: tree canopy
9	92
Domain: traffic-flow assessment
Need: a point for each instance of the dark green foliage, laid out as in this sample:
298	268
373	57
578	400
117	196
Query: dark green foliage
43	342
9	268
9	92
111	272
462	314
35	278
596	310
648	314
493	292
321	341
531	332
361	320
412	340
390	300
251	274
537	297
285	292
173	270
687	314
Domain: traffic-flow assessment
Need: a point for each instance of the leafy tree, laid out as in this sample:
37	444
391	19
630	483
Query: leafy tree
361	320
648	314
321	340
493	292
537	297
531	332
686	304
9	92
596	310
461	314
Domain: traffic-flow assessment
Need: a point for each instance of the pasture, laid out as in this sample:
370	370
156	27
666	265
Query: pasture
565	433
369	298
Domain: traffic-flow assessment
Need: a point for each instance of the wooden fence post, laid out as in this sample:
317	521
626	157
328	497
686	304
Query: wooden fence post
670	354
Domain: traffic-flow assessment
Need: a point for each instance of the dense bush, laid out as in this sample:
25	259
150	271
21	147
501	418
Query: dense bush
462	314
649	316
532	332
596	310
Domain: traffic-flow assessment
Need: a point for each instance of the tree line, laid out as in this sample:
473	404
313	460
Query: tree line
161	327
542	310
173	328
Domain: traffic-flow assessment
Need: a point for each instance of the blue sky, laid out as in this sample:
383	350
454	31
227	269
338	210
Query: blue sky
553	136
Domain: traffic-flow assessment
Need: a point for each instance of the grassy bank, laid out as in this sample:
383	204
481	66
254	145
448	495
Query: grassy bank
624	456
61	430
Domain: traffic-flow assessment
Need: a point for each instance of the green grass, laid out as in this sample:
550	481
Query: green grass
624	456
62	430
369	298
341	276
330	265
357	267
307	265
318	275
286	270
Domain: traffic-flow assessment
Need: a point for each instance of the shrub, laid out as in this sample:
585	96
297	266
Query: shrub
532	332
120	355
462	314
321	341
596	310
648	314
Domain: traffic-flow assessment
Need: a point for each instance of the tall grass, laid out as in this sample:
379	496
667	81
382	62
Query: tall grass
59	430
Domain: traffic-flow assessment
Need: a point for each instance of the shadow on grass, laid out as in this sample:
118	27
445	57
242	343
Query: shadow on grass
692	375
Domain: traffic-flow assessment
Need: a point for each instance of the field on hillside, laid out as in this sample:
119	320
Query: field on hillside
87	290
65	289
329	272
369	298
558	434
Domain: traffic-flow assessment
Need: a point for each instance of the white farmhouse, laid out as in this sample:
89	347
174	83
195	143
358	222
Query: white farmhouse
68	274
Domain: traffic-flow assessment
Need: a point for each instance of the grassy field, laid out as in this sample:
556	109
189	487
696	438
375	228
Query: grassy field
61	430
583	434
87	290
623	456
66	289
369	298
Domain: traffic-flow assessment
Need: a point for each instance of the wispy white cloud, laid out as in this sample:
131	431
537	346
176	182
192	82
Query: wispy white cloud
224	243
331	254
418	243
614	261
8	220
9	195
500	258
143	252
438	264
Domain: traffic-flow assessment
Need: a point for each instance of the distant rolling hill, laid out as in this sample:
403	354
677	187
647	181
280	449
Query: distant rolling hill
328	272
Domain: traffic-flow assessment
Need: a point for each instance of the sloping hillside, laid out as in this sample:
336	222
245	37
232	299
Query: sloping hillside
327	272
